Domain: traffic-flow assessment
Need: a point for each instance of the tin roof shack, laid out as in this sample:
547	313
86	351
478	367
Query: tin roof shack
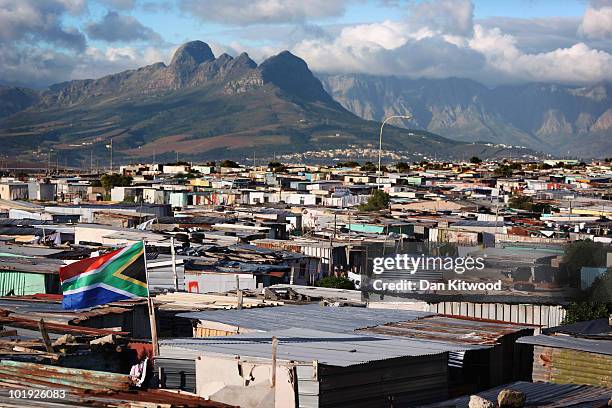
20	275
173	303
498	362
216	267
118	219
311	316
220	276
83	388
41	191
543	395
564	359
13	191
180	372
129	316
331	256
315	369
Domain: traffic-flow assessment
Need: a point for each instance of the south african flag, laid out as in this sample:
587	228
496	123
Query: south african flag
114	276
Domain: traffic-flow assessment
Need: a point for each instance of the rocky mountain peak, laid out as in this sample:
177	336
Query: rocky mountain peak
244	60
292	75
192	54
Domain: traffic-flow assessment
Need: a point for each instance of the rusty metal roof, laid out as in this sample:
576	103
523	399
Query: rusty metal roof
569	342
455	329
87	387
541	394
22	322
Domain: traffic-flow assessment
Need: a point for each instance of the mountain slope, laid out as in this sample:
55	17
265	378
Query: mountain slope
202	106
547	117
14	99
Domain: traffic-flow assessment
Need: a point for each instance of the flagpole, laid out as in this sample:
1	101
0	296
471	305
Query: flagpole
151	306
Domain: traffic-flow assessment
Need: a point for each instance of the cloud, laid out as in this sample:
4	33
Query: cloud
453	17
577	63
115	27
34	21
156	6
96	62
262	11
423	45
597	21
389	49
35	67
119	4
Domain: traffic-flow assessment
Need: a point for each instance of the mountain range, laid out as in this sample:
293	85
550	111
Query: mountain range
558	119
200	107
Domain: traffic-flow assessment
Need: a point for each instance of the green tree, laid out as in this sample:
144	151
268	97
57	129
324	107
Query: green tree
277	167
584	311
378	200
368	166
108	181
522	202
351	164
475	160
229	163
337	282
601	290
503	171
402	167
584	253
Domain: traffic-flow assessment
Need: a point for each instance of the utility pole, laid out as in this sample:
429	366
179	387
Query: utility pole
111	156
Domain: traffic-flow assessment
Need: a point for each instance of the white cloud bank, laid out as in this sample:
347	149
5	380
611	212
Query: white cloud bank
428	45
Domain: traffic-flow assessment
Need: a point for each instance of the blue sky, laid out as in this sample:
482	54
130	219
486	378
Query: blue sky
177	26
494	41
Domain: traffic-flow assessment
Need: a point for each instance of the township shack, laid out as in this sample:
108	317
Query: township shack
478	353
313	369
571	360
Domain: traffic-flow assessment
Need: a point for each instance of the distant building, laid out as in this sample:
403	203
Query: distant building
41	191
14	191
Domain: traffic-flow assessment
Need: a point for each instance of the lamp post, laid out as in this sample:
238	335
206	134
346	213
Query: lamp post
381	133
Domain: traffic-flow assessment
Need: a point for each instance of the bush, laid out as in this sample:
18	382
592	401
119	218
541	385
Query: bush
347	164
521	202
584	253
402	167
584	311
229	163
368	166
277	167
475	160
337	282
108	181
378	200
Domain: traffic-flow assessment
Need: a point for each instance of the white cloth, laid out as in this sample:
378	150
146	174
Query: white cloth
138	372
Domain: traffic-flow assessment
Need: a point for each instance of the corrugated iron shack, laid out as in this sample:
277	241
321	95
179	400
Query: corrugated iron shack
499	362
60	386
324	369
566	359
542	395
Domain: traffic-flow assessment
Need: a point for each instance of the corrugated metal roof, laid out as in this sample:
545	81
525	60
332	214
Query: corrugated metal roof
541	394
86	387
321	292
591	327
572	343
302	345
311	316
449	329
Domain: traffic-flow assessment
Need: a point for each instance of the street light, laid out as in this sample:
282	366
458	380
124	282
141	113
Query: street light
381	131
